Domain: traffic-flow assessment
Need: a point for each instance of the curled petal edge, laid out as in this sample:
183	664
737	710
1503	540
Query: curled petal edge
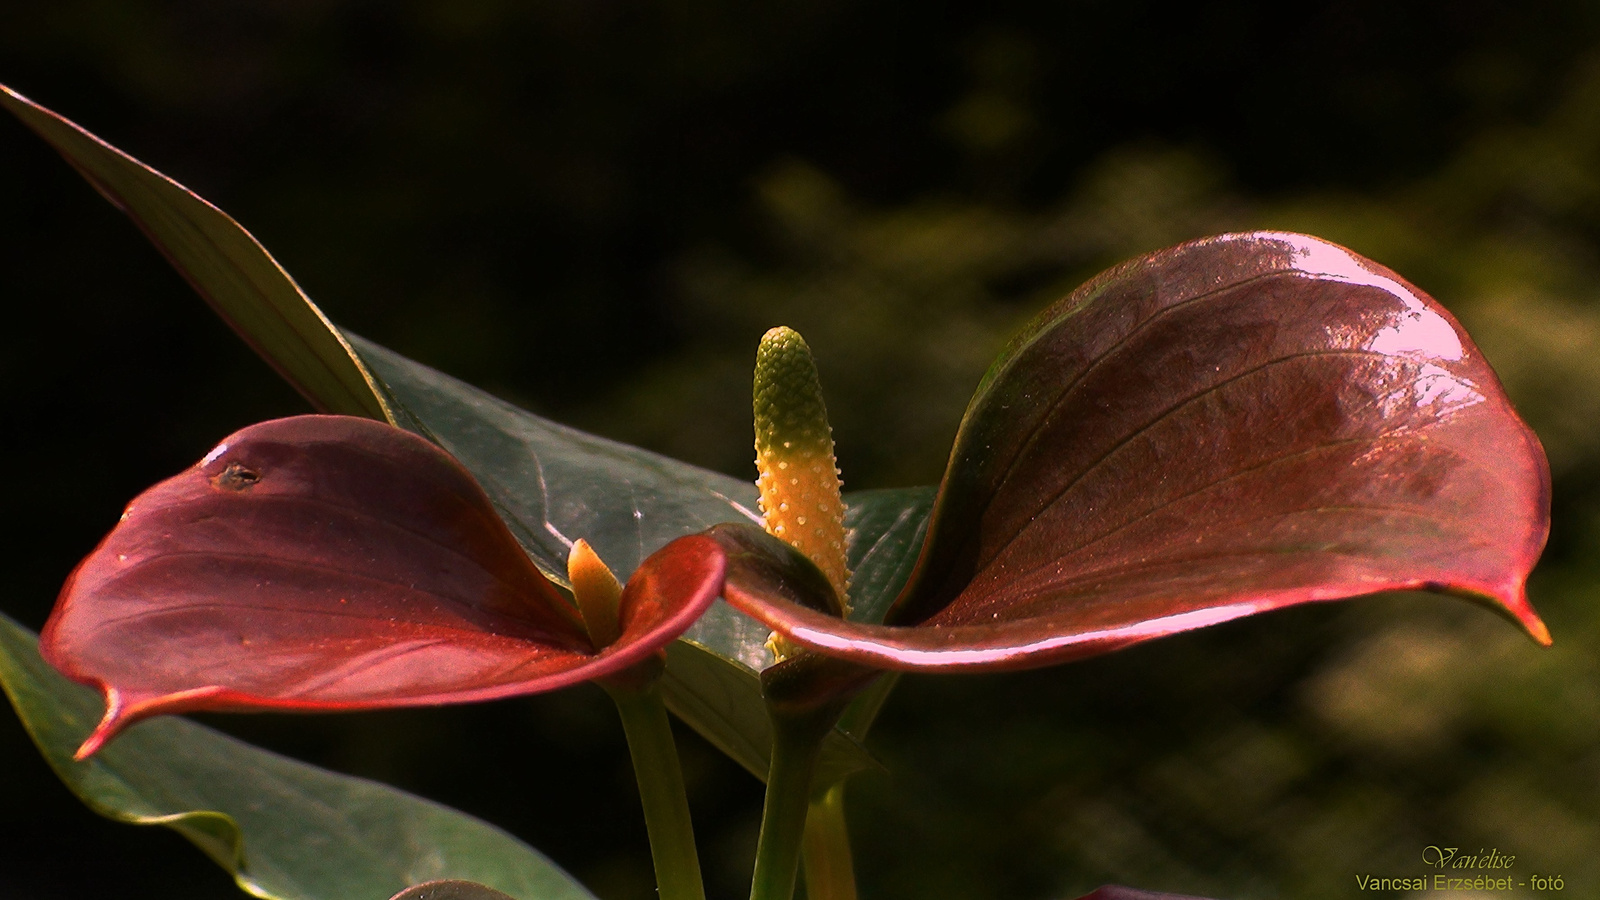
1042	641
637	643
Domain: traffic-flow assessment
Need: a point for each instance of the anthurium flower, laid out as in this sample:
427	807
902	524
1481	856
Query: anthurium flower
1226	427
336	563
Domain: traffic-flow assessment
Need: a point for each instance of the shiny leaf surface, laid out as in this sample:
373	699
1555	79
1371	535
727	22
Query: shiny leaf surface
226	265
556	484
283	829
884	530
723	701
550	483
760	565
331	562
1222	428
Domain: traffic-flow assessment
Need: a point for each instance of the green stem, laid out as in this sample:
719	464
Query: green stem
830	871
666	805
796	744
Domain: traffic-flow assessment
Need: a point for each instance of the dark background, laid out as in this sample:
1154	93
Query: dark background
594	209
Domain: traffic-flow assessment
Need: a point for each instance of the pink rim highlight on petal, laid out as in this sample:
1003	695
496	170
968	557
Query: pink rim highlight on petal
1232	425
328	563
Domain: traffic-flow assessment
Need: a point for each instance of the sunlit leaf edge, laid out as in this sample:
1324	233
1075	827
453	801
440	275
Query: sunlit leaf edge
459	845
268	299
224	263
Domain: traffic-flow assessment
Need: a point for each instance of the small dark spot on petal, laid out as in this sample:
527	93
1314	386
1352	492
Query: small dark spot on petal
236	477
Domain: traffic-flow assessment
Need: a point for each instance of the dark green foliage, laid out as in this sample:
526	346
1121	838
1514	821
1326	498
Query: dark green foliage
595	211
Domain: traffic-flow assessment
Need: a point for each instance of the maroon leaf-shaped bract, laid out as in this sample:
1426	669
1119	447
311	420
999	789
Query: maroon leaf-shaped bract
1226	427
326	563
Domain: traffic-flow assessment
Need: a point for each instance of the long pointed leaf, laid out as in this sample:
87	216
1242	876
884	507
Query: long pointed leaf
285	830
552	484
226	265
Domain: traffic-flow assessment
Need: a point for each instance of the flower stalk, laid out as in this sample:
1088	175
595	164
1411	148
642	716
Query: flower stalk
661	790
802	505
796	745
829	867
644	722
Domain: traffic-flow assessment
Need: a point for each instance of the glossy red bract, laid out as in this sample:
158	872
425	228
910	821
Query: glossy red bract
1222	428
328	562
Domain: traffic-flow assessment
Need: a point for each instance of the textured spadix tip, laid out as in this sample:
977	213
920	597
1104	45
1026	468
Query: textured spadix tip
787	396
798	476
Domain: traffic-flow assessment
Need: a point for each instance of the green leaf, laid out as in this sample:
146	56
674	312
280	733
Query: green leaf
885	530
223	262
286	830
552	484
723	701
556	484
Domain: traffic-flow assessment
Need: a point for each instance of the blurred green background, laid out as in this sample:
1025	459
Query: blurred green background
595	208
